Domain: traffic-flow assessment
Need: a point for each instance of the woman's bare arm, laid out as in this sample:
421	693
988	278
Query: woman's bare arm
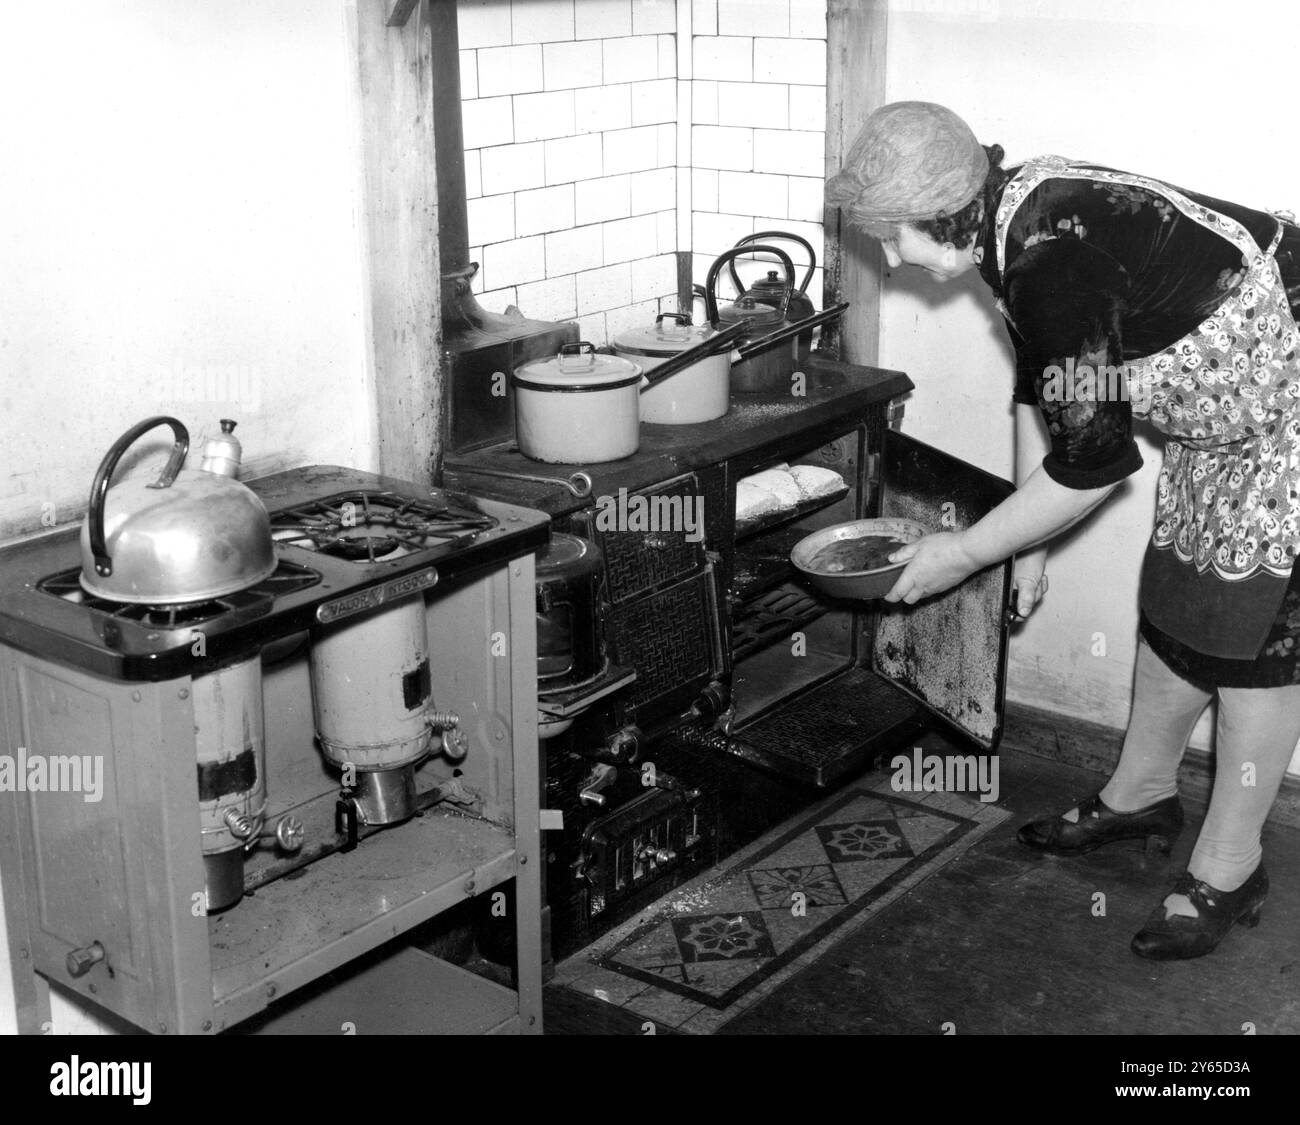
1035	513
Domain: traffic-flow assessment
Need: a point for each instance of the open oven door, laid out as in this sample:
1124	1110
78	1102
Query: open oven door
949	652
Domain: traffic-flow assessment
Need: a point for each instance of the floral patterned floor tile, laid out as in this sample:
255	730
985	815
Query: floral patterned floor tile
721	942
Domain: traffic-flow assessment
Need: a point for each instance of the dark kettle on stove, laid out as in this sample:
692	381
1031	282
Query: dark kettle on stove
772	289
760	314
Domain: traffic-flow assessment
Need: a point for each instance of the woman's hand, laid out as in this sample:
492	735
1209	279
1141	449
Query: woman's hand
935	563
1029	583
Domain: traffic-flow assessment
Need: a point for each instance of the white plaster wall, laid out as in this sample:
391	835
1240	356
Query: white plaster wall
178	233
1189	92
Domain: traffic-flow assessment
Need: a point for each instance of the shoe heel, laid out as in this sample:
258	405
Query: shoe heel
1251	918
1161	844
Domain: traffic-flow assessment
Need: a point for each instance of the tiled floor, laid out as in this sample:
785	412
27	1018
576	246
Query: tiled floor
719	944
984	939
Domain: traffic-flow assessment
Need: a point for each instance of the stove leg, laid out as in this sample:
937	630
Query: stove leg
530	856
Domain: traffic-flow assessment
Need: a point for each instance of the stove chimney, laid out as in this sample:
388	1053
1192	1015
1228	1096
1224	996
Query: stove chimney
478	346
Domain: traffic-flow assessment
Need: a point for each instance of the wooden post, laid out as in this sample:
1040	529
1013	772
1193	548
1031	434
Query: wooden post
855	85
395	88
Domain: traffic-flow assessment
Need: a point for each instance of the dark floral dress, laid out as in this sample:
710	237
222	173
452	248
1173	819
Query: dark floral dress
1098	274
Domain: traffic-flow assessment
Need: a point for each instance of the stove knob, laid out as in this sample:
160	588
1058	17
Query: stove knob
659	857
290	833
602	777
81	961
586	871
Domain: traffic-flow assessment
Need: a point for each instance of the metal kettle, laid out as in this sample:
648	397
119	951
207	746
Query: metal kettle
772	290
767	357
189	536
762	315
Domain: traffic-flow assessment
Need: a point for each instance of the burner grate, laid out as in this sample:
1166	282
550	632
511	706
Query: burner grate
368	526
286	578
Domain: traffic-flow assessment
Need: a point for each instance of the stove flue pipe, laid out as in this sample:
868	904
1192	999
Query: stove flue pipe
461	311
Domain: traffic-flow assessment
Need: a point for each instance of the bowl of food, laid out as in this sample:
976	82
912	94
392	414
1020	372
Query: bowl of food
851	560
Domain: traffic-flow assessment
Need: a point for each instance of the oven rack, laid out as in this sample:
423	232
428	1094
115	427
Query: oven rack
772	617
764	563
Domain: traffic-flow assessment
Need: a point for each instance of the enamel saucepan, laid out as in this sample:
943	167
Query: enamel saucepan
581	407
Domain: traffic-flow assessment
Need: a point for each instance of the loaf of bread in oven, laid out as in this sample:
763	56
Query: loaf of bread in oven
752	501
779	483
813	481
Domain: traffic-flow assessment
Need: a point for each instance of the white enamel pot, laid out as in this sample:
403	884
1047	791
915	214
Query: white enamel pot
699	394
578	407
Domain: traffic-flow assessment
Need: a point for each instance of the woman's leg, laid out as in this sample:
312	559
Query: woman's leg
1140	801
1165	709
1257	734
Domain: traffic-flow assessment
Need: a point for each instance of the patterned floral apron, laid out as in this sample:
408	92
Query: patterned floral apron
1227	397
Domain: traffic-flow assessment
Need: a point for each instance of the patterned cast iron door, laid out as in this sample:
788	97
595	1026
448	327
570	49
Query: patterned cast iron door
667	637
650	537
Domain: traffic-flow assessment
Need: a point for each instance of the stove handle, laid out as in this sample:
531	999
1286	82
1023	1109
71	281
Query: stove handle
99	487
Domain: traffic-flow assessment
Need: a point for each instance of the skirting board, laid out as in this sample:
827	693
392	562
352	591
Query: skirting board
1092	746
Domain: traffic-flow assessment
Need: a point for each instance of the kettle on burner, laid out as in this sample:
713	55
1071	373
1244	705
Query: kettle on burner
770	369
187	537
772	290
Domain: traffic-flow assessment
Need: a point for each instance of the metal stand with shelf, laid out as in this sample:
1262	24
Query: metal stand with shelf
126	873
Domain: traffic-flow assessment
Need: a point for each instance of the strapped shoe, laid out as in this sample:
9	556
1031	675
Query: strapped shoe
1179	937
1158	824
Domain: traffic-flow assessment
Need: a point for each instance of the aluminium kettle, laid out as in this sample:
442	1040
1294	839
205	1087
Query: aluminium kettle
189	536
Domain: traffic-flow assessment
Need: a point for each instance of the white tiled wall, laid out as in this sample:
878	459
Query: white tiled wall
600	142
758	113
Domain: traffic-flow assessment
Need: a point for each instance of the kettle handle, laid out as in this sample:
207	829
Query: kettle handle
710	282
99	487
787	236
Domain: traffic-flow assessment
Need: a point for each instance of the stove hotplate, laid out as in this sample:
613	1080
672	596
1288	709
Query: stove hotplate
346	542
367	526
286	578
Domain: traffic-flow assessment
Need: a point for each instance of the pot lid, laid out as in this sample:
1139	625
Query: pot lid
579	365
754	311
566	552
773	284
671	333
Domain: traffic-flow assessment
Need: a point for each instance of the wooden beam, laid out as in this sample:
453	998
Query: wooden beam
855	85
395	87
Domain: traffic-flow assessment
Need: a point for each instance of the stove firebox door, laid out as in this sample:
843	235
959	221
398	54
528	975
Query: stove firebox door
949	652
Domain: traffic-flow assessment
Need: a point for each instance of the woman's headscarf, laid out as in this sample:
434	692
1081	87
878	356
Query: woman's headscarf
911	161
